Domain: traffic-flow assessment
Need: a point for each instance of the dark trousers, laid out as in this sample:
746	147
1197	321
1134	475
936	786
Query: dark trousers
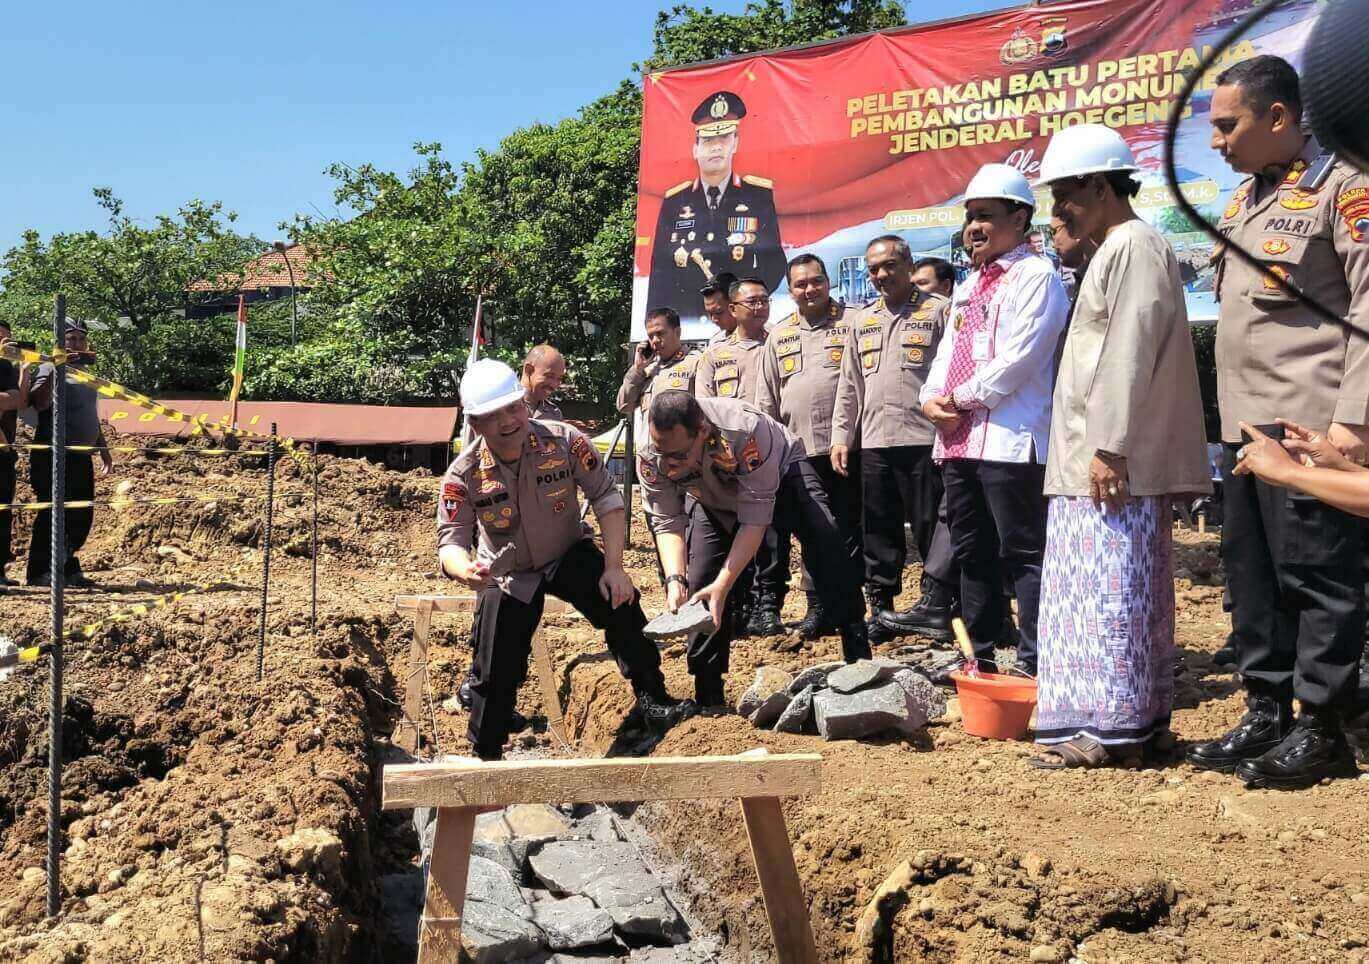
801	507
898	485
80	487
843	494
771	575
8	460
1297	590
997	516
503	632
940	563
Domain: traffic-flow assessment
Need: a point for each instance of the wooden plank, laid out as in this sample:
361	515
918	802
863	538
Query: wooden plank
461	783
551	693
416	678
439	932
784	903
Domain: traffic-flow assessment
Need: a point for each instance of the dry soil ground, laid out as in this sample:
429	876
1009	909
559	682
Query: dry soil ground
209	816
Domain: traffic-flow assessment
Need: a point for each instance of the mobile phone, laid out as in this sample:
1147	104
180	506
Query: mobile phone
647	350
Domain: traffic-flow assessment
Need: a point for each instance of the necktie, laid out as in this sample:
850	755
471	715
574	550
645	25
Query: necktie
713	195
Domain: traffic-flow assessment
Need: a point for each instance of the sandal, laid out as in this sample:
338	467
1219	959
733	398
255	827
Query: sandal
1083	752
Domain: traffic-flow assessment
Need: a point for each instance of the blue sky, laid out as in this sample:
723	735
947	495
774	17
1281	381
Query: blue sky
248	102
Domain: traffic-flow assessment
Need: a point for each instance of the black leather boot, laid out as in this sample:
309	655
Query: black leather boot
930	616
1315	750
1265	724
464	696
1226	656
765	618
661	711
881	605
708	691
815	623
855	642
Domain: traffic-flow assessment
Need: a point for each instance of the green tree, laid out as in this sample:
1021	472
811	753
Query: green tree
131	279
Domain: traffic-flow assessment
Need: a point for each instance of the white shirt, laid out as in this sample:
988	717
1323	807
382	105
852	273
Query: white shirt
1027	315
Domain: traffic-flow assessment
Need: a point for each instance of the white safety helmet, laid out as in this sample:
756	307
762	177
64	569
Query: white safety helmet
1000	181
488	386
1085	149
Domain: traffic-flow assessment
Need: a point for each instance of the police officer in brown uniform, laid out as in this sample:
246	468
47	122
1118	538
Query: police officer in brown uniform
718	305
1293	563
516	485
544	369
798	387
660	362
889	350
744	471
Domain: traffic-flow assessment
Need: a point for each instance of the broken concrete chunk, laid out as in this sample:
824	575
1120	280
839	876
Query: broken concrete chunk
769	681
572	922
814	676
925	695
638	906
851	716
692	618
862	673
798	715
487	881
568	866
493	935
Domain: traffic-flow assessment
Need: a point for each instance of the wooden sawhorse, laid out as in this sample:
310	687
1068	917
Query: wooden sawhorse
460	789
408	733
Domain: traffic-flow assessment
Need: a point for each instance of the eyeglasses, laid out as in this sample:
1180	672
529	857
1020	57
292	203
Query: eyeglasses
755	304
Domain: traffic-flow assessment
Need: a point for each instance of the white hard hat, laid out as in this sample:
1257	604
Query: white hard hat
1000	181
488	386
1085	149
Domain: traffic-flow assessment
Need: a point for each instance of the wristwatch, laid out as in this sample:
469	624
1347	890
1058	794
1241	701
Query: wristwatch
676	577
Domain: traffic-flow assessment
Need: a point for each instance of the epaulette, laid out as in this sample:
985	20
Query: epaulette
790	322
678	188
469	457
755	181
1317	172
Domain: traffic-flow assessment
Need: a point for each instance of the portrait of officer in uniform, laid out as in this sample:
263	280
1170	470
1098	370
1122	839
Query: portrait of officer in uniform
718	221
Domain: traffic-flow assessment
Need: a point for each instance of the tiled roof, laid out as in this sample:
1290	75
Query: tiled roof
267	271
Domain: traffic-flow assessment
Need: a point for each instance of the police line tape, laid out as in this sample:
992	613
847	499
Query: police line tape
131	449
118	503
199	423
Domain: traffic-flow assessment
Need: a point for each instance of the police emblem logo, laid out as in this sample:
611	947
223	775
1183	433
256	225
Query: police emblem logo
1273	274
915	356
1276	246
1353	207
487	516
835	354
915	338
788	365
1298	200
584	453
751	455
559	506
681	257
719	108
868	360
646	470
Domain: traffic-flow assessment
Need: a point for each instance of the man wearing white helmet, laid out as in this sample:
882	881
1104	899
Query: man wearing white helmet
989	395
1126	437
515	487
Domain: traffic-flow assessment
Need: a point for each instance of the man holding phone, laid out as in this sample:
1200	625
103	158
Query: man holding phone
662	361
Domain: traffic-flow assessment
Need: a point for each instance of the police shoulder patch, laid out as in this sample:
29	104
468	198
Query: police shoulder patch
1353	207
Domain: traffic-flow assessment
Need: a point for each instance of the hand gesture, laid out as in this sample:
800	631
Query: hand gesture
943	413
642	357
1312	448
1108	481
714	596
1263	457
616	586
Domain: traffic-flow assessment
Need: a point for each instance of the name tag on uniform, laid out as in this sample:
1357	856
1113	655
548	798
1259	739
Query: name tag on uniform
981	346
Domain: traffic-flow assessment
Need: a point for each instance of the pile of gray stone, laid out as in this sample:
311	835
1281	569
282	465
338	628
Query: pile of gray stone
548	886
837	701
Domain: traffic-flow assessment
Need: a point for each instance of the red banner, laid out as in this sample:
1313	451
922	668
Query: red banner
748	162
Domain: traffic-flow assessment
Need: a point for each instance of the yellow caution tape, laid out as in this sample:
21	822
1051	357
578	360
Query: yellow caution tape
199	424
126	613
118	503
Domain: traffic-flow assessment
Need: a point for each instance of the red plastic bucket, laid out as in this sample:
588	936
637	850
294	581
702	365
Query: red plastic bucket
994	706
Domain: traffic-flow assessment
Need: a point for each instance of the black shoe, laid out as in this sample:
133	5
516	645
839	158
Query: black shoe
6	580
815	623
661	711
708	691
765	620
855	642
881	605
77	579
466	695
518	722
1265	724
1315	750
36	581
930	616
1226	656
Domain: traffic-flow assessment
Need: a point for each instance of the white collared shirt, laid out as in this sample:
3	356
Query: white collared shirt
1027	315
